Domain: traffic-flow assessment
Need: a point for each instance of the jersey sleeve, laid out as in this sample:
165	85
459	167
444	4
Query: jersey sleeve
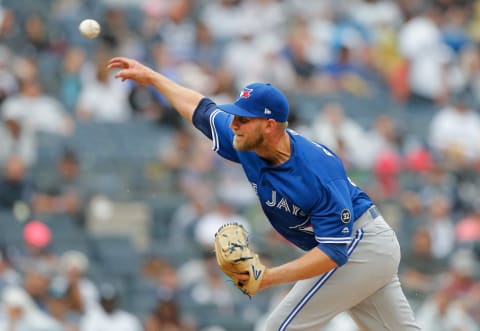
337	252
332	220
215	125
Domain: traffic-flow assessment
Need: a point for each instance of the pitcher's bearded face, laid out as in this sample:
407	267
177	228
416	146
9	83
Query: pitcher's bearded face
248	133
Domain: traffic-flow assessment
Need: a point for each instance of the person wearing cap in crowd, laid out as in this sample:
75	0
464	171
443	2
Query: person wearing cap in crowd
19	313
58	304
351	253
82	293
109	315
455	305
36	281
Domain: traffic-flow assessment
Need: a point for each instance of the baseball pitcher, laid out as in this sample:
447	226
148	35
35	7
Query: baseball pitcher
351	254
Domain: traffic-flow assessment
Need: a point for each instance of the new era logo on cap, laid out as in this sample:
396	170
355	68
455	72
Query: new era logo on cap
259	100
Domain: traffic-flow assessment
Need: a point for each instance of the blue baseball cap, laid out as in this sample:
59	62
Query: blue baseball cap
259	100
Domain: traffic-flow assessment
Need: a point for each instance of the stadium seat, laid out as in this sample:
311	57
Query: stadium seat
11	230
116	254
143	296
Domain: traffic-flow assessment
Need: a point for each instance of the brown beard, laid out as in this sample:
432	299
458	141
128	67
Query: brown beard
248	144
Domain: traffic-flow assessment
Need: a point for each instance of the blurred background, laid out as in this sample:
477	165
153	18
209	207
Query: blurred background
109	201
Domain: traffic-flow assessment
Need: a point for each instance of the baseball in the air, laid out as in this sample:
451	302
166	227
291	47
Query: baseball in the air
89	28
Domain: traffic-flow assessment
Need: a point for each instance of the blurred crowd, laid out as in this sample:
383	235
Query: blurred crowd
420	59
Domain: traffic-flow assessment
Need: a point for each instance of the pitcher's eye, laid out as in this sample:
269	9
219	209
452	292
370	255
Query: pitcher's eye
243	120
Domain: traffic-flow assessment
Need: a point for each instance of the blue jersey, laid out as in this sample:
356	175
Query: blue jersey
308	199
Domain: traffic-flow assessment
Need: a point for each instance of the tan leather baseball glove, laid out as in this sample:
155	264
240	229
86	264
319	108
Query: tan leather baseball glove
234	257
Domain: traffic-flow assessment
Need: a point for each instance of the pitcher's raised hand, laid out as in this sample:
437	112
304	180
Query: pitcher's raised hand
131	69
183	99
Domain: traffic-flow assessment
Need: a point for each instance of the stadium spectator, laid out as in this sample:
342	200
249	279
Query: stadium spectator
185	218
8	275
441	226
36	282
102	99
81	294
461	283
435	181
297	52
17	139
384	136
441	313
469	60
421	271
455	134
166	317
212	289
345	74
8	82
382	154
224	18
243	59
19	313
222	212
37	110
177	31
15	186
36	34
377	15
58	307
231	187
386	169
207	53
341	133
10	31
420	42
163	275
65	194
109	316
467	229
71	78
35	253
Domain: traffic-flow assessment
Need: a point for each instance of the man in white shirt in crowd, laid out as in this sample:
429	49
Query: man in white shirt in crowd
109	316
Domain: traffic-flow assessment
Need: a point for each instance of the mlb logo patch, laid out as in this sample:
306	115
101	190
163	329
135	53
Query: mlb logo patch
246	93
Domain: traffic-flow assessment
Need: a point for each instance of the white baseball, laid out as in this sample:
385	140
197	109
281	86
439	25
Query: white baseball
89	28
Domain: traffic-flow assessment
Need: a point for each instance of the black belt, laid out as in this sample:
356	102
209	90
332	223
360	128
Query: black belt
373	212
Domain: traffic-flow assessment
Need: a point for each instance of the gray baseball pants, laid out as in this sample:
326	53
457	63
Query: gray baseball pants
367	287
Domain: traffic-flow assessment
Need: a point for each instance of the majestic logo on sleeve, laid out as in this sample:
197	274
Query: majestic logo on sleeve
246	93
345	216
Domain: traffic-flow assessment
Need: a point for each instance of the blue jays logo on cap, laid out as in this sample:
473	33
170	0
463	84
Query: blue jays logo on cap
259	100
246	93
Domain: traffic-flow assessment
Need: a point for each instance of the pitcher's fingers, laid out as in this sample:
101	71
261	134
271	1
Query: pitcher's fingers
118	63
121	65
118	59
243	276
